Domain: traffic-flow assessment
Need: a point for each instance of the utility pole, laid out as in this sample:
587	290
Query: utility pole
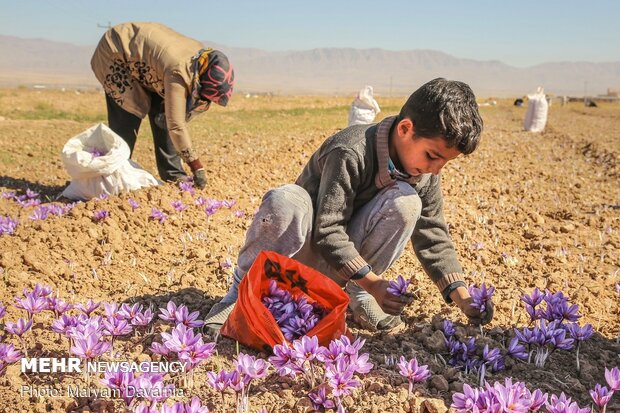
102	26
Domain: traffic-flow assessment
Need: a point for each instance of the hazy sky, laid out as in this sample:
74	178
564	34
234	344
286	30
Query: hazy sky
520	33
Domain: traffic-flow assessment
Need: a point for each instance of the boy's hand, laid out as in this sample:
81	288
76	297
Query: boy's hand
377	287
463	300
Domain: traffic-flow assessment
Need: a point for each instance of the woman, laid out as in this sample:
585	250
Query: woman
149	69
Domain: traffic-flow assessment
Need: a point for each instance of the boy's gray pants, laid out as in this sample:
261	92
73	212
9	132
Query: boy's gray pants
379	230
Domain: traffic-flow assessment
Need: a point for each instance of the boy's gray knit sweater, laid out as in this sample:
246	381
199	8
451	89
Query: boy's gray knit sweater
346	172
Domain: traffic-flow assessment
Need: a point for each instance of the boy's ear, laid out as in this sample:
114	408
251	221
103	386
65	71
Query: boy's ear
405	127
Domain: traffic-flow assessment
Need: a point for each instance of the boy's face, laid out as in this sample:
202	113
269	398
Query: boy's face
418	155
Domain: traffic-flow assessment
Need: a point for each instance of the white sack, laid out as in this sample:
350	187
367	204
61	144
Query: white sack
364	108
109	174
536	114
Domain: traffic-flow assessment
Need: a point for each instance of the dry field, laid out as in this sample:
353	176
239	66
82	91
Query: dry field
525	210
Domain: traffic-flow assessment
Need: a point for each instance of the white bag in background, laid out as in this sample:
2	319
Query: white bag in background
109	173
364	108
536	114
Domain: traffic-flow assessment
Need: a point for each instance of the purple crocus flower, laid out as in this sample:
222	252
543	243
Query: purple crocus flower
7	225
319	399
8	354
580	333
200	201
100	215
239	214
448	328
187	186
96	152
534	299
481	296
306	348
32	304
467	401
237	381
284	362
111	310
219	381
340	379
89	307
64	324
178	206
2	310
143	319
40	214
516	350
90	347
613	378
20	327
183	316
180	339
8	194
158	348
229	204
399	286
413	372
360	363
195	406
538	400
169	313
129	312
601	395
196	353
133	204
512	398
158	215
251	367
226	264
58	306
113	326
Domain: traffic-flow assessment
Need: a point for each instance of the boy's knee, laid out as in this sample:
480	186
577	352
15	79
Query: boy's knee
404	203
284	204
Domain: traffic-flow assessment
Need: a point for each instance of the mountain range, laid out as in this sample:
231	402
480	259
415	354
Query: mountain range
338	71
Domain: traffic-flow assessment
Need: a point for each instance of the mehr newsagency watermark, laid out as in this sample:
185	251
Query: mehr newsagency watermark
53	366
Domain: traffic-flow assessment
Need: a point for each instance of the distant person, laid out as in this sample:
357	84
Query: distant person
362	196
590	103
518	102
149	69
364	108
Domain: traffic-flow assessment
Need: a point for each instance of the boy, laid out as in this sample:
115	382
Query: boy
363	194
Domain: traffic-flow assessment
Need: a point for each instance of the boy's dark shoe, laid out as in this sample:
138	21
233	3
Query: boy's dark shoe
217	317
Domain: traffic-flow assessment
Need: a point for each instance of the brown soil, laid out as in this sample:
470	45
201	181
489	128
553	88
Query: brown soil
549	202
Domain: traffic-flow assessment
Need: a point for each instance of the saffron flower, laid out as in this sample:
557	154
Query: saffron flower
32	304
219	381
158	215
2	310
251	367
7	225
413	372
448	328
183	316
133	204
90	347
187	186
319	400
19	328
169	313
96	152
601	395
113	326
89	307
613	378
516	350
100	215
180	339
467	401
178	206
399	286
481	296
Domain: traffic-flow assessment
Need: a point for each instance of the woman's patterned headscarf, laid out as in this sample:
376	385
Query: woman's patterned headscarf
214	78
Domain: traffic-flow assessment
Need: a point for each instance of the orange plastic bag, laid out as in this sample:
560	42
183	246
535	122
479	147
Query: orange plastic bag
251	323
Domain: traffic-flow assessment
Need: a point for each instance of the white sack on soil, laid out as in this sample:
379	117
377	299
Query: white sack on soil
364	108
536	114
98	162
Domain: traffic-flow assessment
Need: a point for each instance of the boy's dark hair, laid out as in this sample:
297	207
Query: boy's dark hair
445	108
